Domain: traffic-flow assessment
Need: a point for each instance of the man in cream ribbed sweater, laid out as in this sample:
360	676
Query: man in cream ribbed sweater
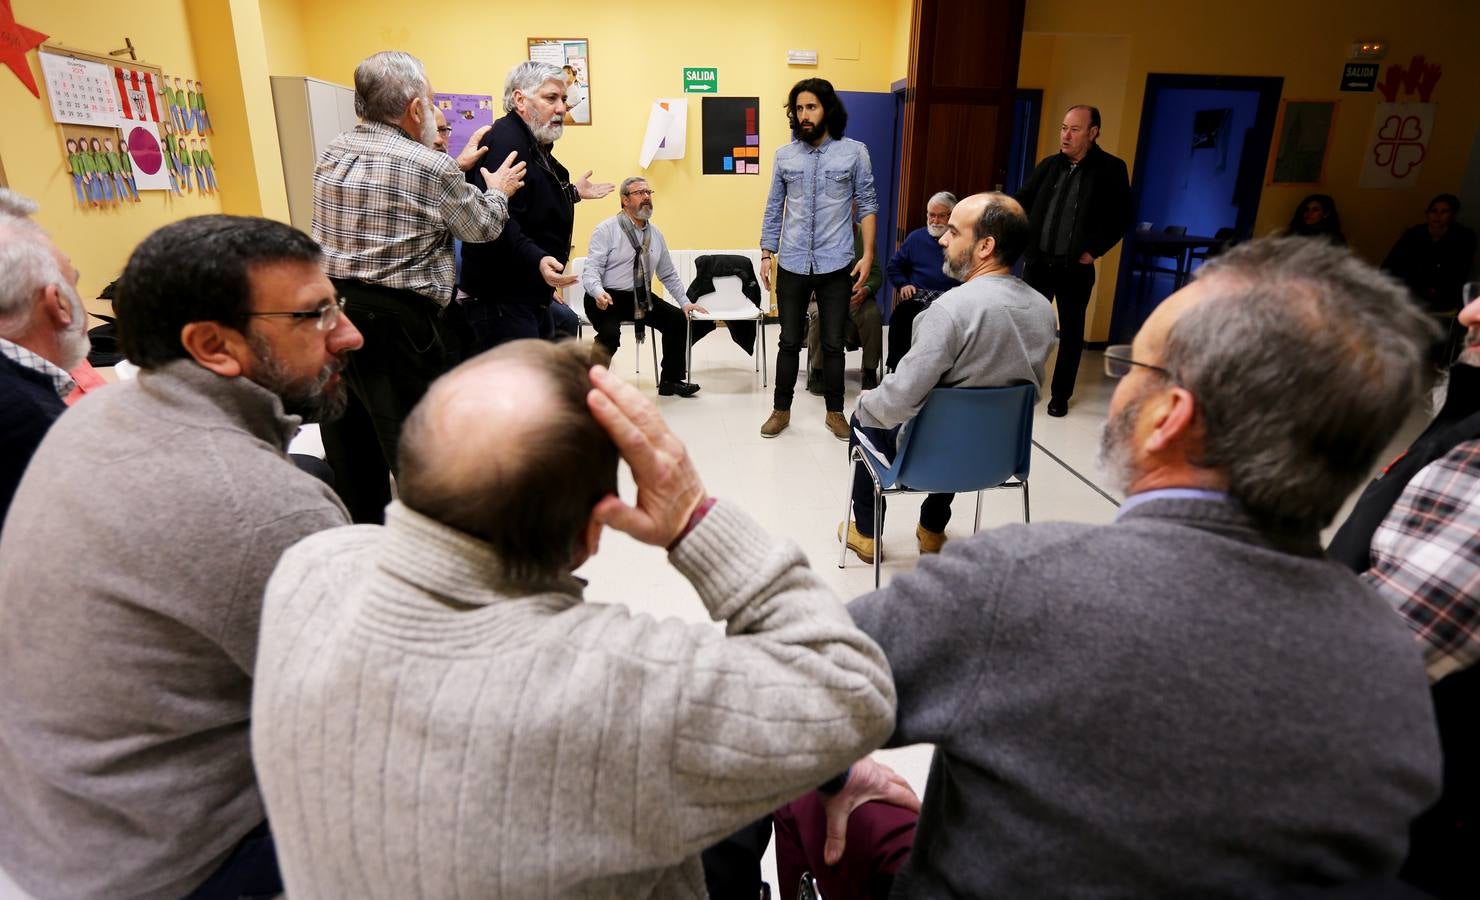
437	713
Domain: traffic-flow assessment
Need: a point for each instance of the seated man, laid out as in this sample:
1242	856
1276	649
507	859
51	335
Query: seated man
505	738
1192	701
624	253
990	331
915	272
125	767
43	334
864	328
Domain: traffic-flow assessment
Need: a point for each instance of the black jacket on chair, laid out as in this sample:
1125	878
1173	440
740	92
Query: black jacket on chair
719	265
28	405
541	217
1104	208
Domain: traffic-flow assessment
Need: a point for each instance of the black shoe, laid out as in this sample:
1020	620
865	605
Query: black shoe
870	379
678	388
814	385
1058	408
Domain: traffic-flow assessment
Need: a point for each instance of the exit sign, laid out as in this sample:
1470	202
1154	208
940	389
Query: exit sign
1359	77
699	80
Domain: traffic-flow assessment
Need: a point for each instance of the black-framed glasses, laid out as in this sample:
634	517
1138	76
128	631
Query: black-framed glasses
326	316
1118	362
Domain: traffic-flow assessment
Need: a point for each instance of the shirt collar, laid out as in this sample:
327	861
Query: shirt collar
25	358
1136	500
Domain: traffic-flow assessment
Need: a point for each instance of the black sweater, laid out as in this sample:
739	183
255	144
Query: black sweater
1104	210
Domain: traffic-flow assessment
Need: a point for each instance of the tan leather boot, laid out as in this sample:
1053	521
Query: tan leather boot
862	547
776	423
930	541
837	425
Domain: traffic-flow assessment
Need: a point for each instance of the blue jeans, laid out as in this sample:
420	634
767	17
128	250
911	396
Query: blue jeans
250	871
935	512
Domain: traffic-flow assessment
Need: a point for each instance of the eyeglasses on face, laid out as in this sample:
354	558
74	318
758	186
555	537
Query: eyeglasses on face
1118	362
642	192
326	316
444	129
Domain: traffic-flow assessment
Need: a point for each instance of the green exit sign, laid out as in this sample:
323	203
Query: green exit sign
699	80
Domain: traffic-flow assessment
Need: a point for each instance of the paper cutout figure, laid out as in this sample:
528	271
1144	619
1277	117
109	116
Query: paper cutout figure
205	167
16	40
202	119
667	131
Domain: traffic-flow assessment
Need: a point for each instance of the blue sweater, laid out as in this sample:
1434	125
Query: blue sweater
917	262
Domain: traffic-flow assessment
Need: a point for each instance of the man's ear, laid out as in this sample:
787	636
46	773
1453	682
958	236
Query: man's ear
588	543
217	347
56	307
1176	417
985	248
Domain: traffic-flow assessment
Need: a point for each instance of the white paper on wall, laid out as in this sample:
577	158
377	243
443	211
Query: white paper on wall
667	131
141	141
1397	145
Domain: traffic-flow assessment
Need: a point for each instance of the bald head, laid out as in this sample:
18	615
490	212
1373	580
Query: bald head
504	448
985	236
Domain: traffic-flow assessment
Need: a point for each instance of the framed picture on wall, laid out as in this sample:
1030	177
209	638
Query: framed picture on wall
573	56
1302	141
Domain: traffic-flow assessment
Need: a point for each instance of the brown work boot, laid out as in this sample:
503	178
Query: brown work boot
862	547
930	541
780	418
837	425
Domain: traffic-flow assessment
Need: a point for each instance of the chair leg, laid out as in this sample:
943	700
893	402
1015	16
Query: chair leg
977	525
1026	517
657	371
765	360
878	533
688	349
847	518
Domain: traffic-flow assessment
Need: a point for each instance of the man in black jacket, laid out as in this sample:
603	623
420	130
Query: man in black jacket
1078	204
514	279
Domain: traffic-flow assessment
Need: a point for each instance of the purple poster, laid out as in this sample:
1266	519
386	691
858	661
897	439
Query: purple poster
466	113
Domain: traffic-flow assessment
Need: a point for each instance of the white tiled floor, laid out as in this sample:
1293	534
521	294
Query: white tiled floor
796	485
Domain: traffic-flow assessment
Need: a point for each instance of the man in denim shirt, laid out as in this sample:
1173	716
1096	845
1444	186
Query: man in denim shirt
816	182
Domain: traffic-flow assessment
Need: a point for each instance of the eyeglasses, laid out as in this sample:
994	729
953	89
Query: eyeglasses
444	129
1118	362
326	316
645	192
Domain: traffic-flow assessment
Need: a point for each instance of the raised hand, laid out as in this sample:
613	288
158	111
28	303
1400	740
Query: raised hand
592	191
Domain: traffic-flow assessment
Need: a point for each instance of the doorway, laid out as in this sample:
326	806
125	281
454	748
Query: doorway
1022	153
1200	160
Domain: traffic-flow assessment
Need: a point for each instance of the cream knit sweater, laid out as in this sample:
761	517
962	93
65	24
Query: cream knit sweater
423	728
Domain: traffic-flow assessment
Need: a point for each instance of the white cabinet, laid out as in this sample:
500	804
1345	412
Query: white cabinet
310	114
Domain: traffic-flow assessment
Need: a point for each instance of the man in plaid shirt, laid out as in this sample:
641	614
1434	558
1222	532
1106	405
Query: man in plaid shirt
386	207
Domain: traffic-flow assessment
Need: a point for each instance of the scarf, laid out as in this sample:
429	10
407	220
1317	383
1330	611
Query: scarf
642	279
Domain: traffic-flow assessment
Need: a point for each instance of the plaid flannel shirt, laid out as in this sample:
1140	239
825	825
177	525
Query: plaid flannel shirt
28	359
385	208
1426	559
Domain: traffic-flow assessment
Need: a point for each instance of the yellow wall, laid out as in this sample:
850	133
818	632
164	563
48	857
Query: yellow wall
99	241
282	25
1093	52
636	57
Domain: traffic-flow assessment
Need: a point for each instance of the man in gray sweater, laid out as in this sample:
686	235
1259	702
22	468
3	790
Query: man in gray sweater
132	566
439	714
992	331
1192	701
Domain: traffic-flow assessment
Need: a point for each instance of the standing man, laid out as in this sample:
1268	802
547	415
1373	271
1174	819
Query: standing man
514	279
43	335
821	184
624	254
386	207
1079	205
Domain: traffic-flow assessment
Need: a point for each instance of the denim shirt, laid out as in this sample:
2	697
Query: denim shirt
817	186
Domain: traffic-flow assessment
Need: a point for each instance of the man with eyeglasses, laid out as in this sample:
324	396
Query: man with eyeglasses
515	281
125	768
1193	700
624	254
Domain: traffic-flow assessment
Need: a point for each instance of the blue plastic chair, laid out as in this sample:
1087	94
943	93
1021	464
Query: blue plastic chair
962	440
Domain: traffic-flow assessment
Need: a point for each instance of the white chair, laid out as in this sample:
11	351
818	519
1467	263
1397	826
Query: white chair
575	298
727	304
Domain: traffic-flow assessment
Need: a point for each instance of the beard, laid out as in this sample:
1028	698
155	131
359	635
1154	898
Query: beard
956	269
1115	445
547	133
75	343
935	231
311	398
643	212
807	131
428	136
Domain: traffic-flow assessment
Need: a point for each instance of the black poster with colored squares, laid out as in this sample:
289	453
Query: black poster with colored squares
732	135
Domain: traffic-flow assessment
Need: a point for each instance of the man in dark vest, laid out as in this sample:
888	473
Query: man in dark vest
1079	205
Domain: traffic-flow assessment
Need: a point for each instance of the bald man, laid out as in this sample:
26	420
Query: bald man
437	712
990	331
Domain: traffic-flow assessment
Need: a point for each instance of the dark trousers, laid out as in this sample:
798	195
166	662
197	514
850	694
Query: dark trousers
935	512
667	319
732	867
1068	284
408	345
793	292
492	323
250	871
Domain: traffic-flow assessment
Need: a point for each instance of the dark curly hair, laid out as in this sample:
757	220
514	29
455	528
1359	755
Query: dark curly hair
835	117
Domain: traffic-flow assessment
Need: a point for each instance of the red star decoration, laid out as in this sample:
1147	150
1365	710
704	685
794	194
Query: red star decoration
16	40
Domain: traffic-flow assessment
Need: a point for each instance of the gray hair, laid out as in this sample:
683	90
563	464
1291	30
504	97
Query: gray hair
944	197
27	261
527	77
628	182
386	82
1304	360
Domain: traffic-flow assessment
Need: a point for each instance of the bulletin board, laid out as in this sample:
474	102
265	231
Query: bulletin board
574	56
1302	141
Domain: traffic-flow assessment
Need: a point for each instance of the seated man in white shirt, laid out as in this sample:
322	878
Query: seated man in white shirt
618	282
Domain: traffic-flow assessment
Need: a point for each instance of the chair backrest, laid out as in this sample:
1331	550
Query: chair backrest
575	294
1174	229
967	439
1225	232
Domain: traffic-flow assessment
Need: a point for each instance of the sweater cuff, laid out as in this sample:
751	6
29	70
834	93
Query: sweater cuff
721	557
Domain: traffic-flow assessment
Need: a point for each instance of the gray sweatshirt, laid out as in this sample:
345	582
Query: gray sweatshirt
992	331
424	728
1170	706
131	573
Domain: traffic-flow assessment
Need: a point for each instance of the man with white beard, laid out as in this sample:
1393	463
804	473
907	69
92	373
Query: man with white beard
514	279
43	334
386	206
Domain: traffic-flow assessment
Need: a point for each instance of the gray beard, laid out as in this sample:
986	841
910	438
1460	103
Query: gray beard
1115	443
950	271
306	397
428	136
935	231
75	343
548	133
